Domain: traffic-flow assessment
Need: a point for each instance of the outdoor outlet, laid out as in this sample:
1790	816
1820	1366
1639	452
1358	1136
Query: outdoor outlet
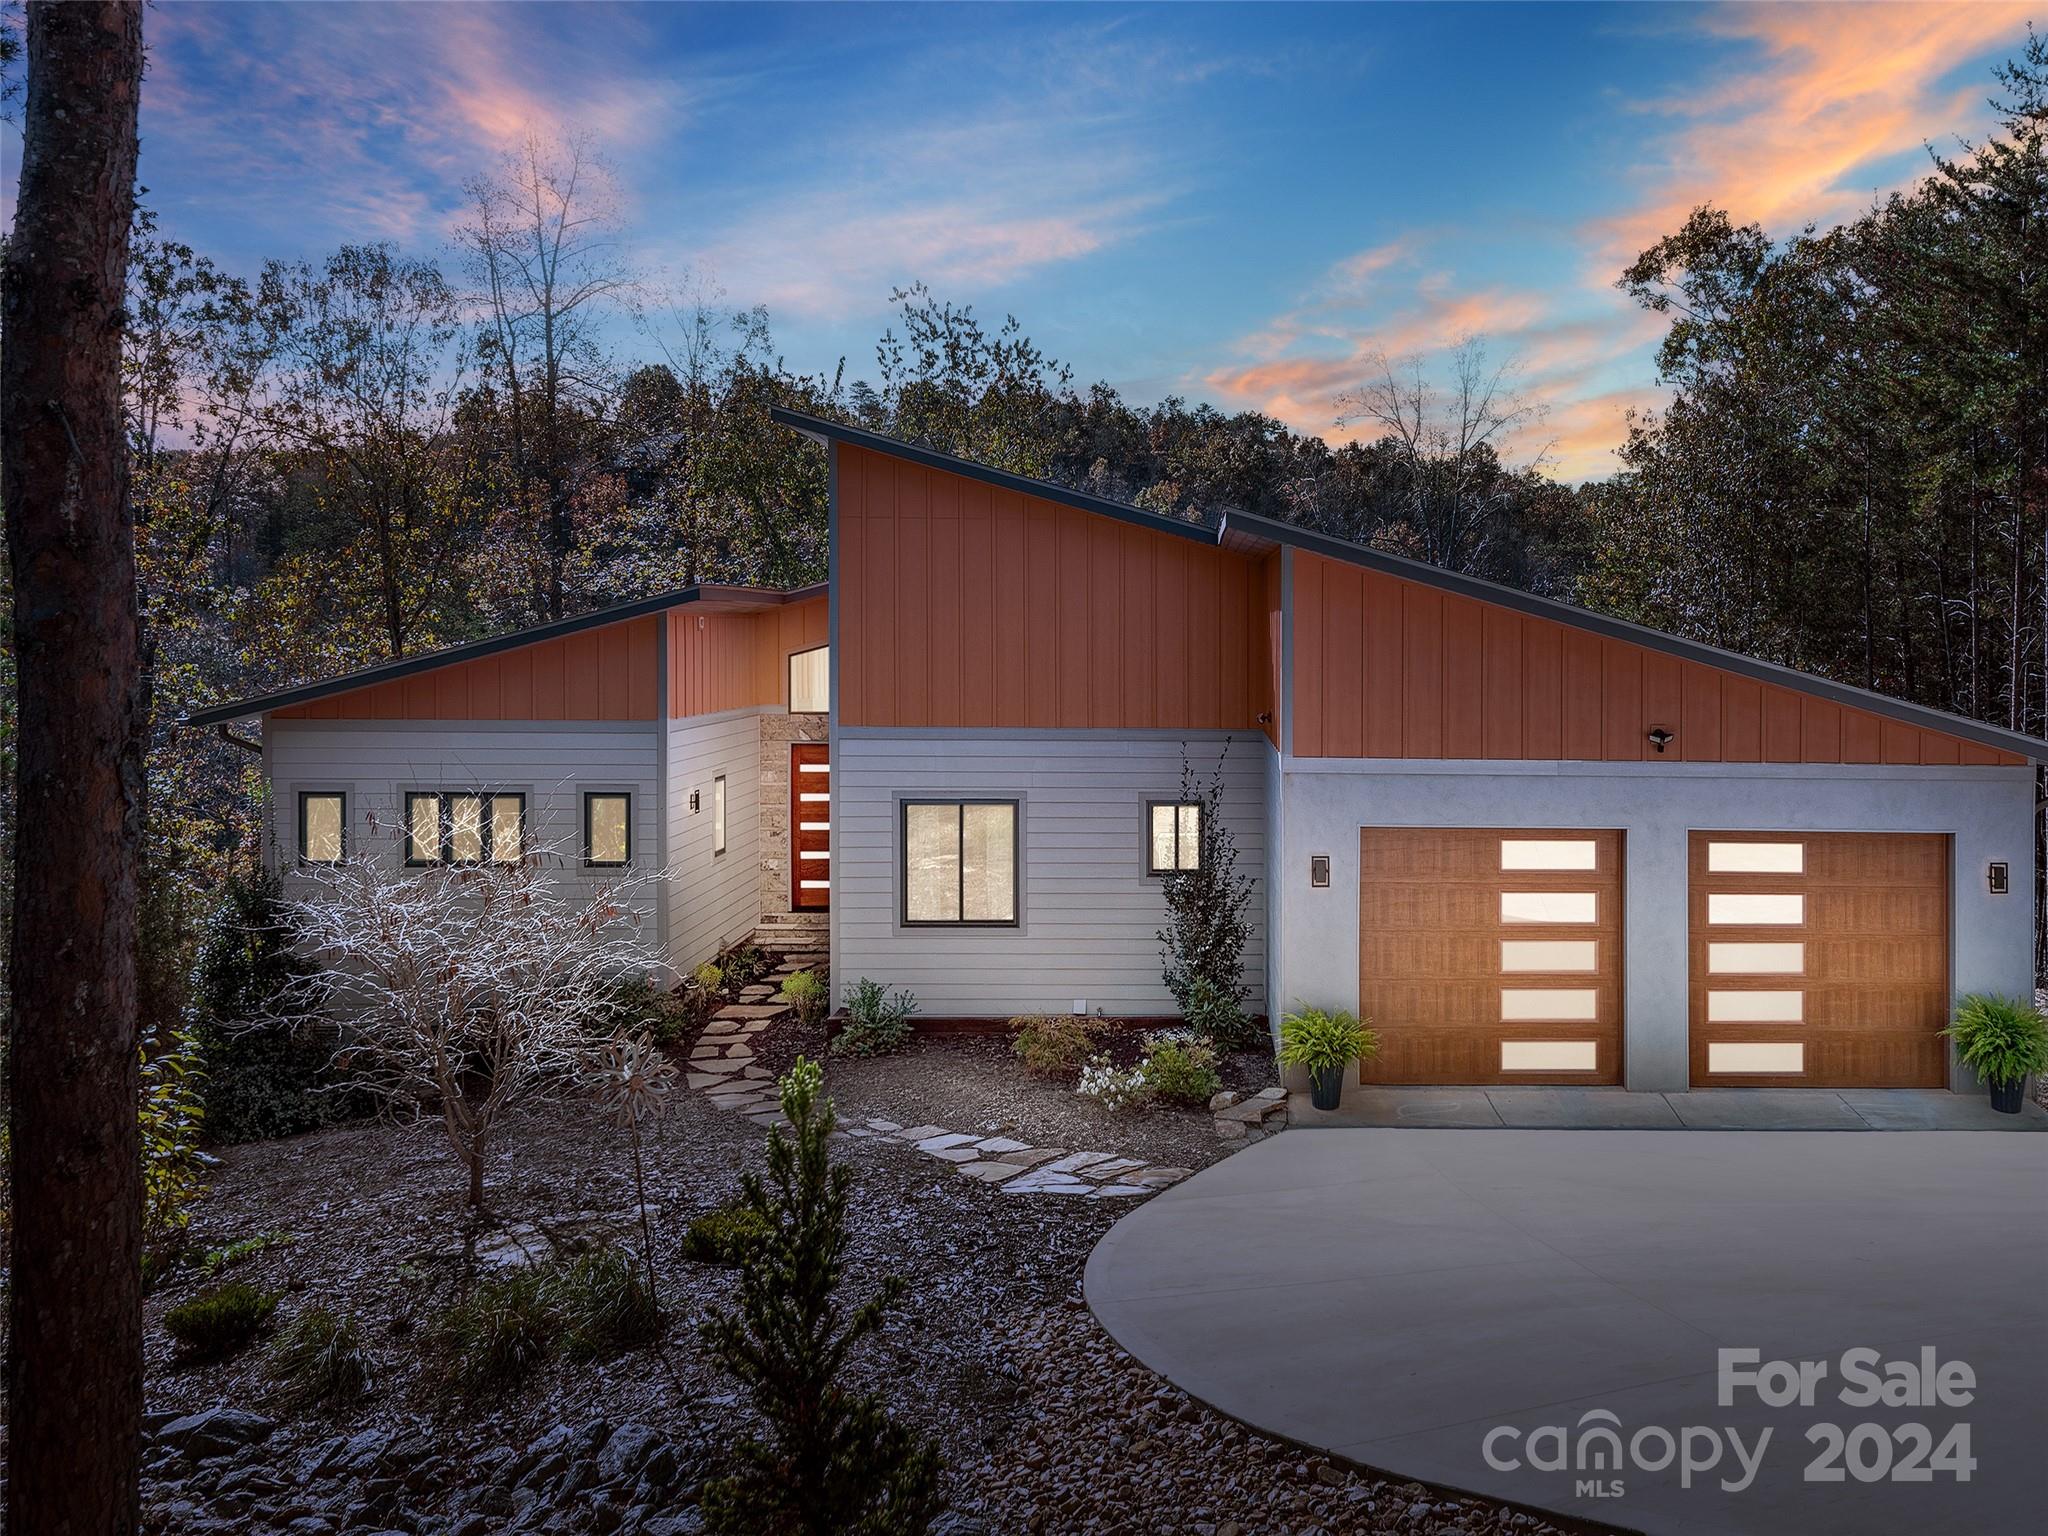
1080	1005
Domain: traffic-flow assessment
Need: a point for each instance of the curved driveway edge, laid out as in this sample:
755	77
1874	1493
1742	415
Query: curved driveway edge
1395	1296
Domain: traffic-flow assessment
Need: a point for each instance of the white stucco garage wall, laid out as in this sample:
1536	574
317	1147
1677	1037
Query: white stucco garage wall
1323	803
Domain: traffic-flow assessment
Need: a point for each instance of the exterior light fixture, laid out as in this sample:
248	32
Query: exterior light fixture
1319	869
1661	738
1999	882
694	802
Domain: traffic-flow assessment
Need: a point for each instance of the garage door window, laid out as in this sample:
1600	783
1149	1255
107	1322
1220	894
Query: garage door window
1546	1005
1756	1056
1549	1056
1549	955
1548	853
1549	907
1756	959
1756	909
1756	858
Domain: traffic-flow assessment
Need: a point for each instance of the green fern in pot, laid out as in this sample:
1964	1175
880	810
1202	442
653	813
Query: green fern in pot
2003	1040
1325	1042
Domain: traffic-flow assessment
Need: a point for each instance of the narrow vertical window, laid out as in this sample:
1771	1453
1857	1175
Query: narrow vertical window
464	827
810	681
1174	841
508	828
606	822
718	814
323	827
960	862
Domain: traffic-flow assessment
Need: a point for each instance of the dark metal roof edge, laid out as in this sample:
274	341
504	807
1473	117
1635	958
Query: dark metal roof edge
821	430
391	671
2031	747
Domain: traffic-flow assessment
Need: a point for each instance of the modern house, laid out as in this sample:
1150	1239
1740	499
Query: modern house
1529	843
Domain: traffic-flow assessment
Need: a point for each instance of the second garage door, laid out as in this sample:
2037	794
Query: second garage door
1491	956
1819	959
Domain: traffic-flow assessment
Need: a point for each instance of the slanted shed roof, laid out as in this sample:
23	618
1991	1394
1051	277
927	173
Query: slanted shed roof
1252	534
305	693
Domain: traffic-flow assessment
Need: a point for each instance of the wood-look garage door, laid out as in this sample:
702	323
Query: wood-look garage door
1490	956
1819	959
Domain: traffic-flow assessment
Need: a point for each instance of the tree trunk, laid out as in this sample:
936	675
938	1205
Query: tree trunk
74	1365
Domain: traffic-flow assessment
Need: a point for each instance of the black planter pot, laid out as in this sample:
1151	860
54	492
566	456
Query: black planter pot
2006	1098
1326	1087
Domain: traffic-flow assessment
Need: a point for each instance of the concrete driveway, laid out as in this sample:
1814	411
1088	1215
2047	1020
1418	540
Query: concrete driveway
1409	1298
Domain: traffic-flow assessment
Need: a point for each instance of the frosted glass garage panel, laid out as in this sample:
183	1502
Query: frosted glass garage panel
1549	1056
1756	908
1548	853
1549	907
1756	1007
1755	1056
1756	858
1544	1005
1756	959
1548	955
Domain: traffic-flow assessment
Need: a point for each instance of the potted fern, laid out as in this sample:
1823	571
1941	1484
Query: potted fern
2002	1040
1324	1042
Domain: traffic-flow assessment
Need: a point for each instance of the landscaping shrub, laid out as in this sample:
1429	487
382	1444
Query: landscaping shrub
722	1236
605	1305
666	1016
744	964
221	1321
262	1080
1113	1086
834	1460
319	1361
1180	1067
1208	920
710	981
170	1119
234	1253
877	1022
808	992
500	1331
1052	1044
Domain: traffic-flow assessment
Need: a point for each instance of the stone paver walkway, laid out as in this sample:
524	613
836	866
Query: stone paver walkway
721	1065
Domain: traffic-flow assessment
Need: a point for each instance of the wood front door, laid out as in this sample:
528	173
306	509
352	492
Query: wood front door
810	826
1819	959
1491	956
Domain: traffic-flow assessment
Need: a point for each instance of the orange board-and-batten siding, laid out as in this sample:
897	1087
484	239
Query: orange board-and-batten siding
720	660
1390	668
964	604
607	673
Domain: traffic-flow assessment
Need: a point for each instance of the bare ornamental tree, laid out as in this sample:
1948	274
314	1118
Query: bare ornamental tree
461	990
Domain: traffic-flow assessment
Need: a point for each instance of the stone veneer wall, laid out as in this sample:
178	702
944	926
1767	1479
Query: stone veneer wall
777	732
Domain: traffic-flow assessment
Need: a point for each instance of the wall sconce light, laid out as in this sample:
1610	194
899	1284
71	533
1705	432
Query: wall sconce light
1999	881
1319	869
1265	717
1661	738
693	802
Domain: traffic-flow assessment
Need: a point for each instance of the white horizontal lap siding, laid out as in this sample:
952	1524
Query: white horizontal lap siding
1088	913
377	763
715	899
1988	812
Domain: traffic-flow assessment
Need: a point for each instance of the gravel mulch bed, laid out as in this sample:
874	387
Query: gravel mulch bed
1044	1424
973	1082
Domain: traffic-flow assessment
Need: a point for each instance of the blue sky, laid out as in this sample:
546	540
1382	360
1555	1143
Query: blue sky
1238	204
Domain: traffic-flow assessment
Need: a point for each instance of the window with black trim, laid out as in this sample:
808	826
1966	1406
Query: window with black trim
960	863
464	827
323	826
810	681
607	829
1173	836
718	815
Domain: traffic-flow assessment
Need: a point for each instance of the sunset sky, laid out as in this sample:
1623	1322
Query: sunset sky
1232	204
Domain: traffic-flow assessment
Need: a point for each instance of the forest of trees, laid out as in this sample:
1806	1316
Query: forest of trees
378	453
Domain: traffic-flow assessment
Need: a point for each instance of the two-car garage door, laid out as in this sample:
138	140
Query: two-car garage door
1491	956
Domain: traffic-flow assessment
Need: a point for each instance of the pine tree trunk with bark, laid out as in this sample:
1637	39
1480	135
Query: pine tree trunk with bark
74	1364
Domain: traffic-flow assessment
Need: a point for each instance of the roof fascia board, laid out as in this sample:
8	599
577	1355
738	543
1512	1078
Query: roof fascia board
821	431
1636	634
